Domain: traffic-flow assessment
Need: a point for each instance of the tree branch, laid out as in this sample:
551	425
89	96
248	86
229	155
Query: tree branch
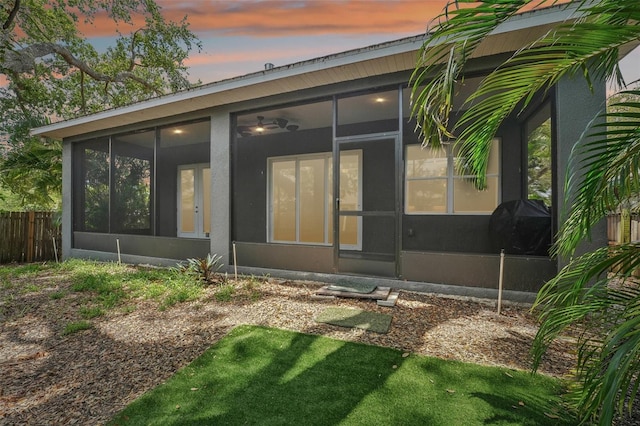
132	59
12	15
23	61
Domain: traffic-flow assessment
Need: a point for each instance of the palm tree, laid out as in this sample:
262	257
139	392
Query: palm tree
604	173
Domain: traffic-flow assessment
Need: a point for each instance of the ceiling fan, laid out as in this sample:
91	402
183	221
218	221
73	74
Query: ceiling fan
264	125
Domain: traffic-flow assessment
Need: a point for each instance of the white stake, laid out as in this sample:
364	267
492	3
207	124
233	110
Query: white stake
500	281
118	245
235	261
55	248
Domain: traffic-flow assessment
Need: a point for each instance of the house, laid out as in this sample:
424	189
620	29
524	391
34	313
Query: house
314	170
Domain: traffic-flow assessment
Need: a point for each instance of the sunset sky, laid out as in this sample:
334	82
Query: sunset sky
240	36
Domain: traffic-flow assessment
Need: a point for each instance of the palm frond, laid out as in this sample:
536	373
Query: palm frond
608	308
608	365
442	58
533	70
604	171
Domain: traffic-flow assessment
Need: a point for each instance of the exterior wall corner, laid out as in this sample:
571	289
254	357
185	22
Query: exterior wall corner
220	184
67	223
575	106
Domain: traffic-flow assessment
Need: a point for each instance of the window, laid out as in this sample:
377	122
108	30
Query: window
114	189
285	120
371	112
92	211
117	187
539	184
132	190
434	186
301	199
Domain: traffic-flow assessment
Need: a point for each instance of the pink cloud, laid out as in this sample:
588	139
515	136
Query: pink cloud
271	18
286	18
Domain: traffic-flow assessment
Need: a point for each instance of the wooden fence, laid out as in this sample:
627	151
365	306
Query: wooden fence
614	222
28	237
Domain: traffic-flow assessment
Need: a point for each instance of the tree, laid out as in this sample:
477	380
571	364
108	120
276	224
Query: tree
33	172
53	72
604	173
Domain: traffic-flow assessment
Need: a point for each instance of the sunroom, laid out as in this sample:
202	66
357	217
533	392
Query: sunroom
316	170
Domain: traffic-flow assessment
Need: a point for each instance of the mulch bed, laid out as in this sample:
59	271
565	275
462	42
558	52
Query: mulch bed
87	377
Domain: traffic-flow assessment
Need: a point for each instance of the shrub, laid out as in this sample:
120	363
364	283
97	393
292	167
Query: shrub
205	270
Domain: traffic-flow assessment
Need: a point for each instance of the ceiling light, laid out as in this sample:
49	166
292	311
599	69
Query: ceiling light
380	100
178	131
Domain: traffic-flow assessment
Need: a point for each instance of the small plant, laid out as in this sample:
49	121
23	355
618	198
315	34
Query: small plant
92	281
74	327
28	269
108	287
251	287
56	295
225	293
92	312
30	288
127	309
178	296
204	269
110	300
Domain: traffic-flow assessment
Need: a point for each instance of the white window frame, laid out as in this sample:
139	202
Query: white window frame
450	178
328	204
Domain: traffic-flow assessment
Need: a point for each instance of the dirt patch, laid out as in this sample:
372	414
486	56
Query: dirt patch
87	377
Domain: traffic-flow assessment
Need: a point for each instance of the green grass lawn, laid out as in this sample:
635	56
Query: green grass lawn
262	376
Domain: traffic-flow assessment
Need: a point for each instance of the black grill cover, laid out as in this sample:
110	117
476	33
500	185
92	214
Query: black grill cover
521	227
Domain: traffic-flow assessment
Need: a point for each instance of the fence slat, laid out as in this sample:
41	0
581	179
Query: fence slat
614	227
27	236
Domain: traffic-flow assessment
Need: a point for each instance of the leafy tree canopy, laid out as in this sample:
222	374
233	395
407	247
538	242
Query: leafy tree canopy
50	71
